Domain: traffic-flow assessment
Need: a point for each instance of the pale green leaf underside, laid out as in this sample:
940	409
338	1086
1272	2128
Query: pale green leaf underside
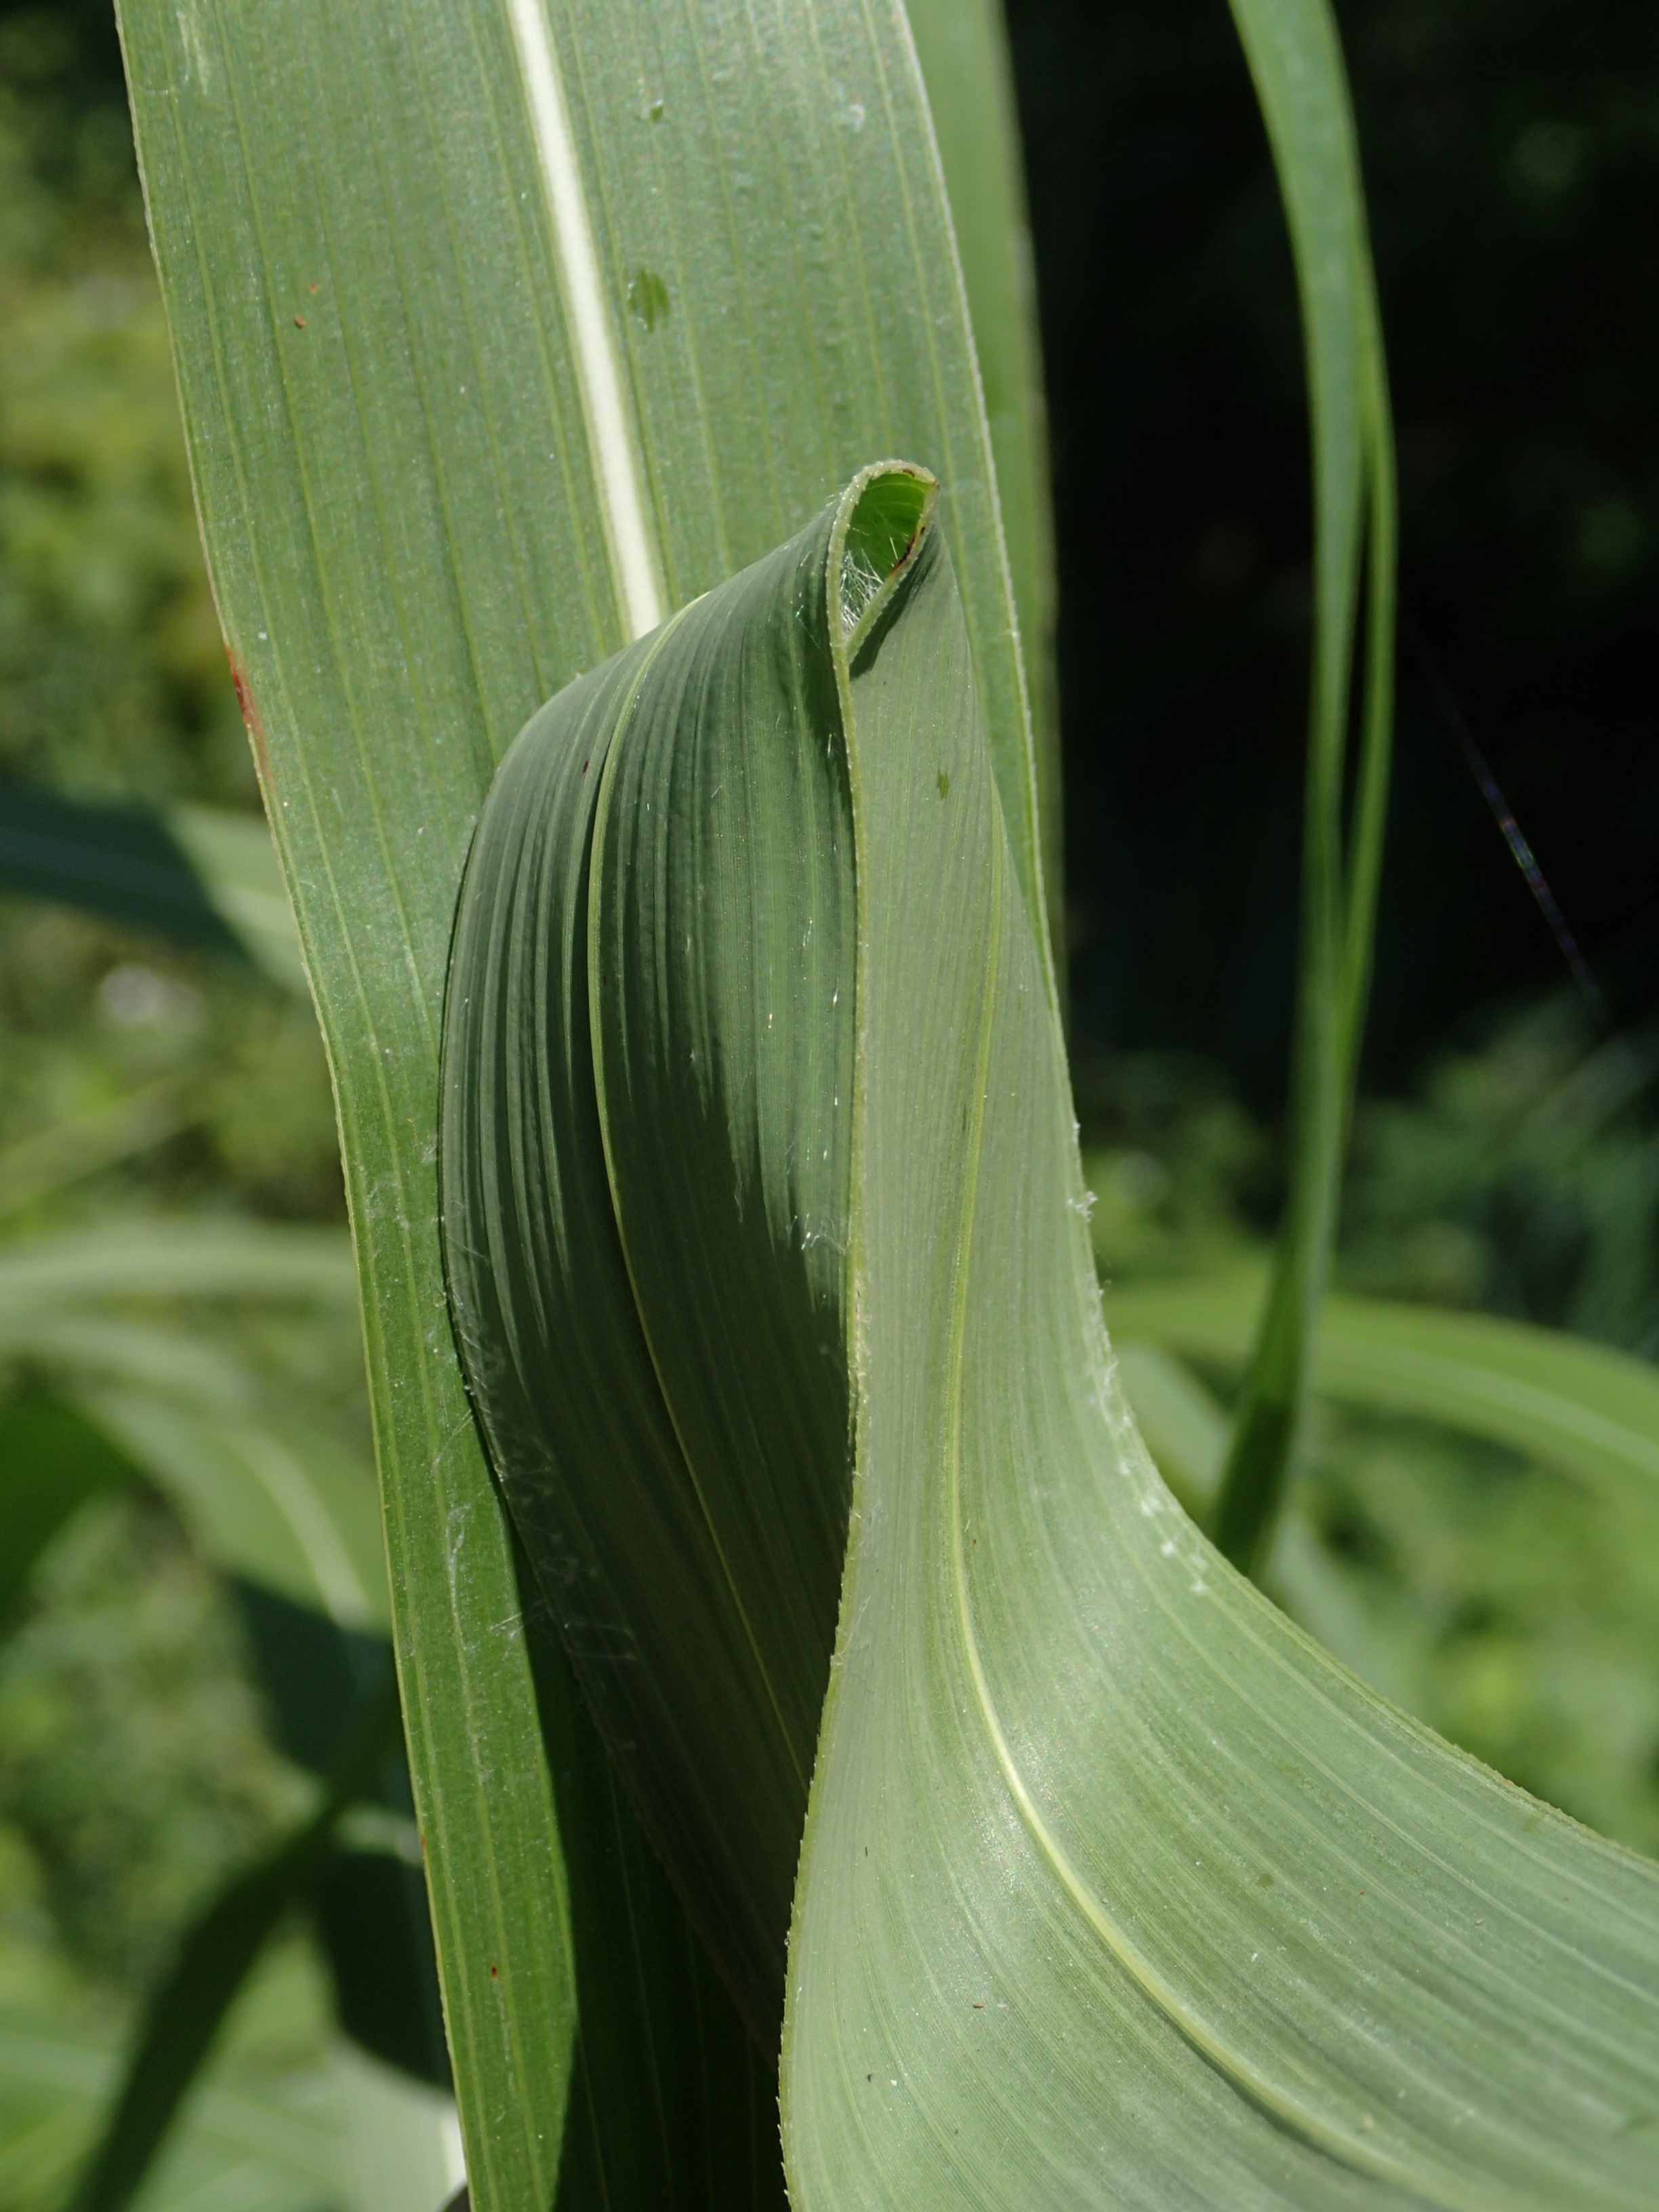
1114	1891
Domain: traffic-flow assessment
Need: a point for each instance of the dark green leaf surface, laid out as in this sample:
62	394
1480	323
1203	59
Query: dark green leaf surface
645	1006
1114	1889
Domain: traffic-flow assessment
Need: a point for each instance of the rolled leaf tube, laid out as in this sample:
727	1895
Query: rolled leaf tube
648	1098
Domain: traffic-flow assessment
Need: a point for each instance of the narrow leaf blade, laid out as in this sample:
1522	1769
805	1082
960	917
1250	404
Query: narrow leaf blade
1296	61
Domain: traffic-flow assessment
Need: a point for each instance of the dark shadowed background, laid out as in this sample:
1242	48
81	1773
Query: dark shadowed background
1511	153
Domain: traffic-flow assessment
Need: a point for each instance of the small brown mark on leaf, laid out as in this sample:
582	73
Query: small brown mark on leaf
251	722
494	1973
909	548
299	322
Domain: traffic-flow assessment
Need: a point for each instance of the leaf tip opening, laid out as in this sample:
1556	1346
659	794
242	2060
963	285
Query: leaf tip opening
886	514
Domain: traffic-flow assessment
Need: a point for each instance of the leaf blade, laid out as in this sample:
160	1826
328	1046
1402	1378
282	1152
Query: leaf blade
1296	62
406	522
1586	1409
1024	1941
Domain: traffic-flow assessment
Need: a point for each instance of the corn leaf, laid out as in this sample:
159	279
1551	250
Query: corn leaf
761	1184
1296	61
501	329
1586	1409
199	874
962	45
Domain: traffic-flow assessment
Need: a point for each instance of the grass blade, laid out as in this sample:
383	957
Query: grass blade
1585	1408
1295	59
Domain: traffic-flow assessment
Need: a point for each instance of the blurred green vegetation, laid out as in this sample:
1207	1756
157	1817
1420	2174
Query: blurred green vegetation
137	1764
1494	1598
111	673
137	1769
1520	1175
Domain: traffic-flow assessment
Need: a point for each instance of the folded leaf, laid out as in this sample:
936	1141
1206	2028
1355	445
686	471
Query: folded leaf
502	327
1113	1887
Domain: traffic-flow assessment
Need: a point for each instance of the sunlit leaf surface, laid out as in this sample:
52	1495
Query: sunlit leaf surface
502	329
760	1171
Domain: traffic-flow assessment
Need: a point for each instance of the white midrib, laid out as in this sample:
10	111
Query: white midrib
599	365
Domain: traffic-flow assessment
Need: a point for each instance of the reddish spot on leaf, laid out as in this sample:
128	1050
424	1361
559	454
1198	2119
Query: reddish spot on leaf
299	322
251	721
494	1973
